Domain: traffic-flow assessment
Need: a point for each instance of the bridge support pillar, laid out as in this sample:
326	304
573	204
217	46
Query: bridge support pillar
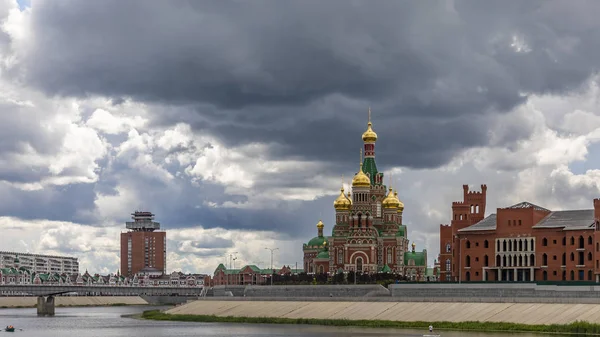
45	306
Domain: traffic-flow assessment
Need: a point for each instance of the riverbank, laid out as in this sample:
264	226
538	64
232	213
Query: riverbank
73	301
518	313
572	328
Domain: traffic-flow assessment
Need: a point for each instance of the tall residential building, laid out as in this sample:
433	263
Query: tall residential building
143	245
39	263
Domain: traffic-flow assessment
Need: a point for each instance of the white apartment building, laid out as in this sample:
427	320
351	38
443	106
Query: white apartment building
38	263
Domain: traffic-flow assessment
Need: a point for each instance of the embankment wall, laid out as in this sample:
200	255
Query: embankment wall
30	301
504	293
525	313
369	290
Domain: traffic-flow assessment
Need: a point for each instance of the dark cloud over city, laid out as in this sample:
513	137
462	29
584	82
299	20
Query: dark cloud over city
244	115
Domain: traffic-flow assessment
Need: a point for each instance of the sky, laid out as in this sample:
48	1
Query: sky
234	122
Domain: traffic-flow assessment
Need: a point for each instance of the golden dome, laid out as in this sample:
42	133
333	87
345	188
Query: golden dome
390	201
320	224
369	135
400	203
342	203
361	179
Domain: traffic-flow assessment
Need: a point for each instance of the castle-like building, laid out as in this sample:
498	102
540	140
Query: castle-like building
519	243
368	234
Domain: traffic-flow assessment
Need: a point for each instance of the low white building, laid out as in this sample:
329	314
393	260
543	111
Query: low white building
39	263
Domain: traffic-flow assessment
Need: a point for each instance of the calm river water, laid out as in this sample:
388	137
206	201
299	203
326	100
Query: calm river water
107	321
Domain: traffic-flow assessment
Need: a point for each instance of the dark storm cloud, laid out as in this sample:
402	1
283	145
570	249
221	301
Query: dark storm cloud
60	203
268	68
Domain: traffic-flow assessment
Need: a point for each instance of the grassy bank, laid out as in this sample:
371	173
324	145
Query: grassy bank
573	328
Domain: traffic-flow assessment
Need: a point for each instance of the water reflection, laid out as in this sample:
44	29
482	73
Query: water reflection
107	321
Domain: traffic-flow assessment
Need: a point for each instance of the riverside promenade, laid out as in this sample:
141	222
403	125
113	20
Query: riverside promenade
511	303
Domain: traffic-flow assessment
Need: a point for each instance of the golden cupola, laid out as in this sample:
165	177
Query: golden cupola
369	136
390	201
400	203
342	203
361	179
320	225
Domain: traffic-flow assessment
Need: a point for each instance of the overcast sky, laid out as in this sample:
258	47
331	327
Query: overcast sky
233	121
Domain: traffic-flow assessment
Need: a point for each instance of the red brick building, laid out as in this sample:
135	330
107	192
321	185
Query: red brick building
520	243
247	275
368	234
143	245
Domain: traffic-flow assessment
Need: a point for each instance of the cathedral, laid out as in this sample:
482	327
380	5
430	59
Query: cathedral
368	235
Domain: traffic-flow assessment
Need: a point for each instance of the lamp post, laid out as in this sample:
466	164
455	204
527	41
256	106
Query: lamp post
230	256
272	250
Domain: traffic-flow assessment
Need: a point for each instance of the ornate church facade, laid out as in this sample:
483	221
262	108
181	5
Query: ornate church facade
368	235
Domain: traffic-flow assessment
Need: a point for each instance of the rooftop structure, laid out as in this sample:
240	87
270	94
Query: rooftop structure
142	222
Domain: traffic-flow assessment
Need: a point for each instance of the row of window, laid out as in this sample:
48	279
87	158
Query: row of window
526	244
525	260
581	241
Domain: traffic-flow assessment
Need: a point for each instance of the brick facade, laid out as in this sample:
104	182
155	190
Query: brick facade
520	243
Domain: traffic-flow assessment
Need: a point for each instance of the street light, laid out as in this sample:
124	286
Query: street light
230	256
272	272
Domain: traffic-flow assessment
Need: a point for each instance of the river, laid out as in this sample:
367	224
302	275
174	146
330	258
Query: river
107	321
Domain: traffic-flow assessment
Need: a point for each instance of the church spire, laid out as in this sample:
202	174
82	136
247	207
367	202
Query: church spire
369	138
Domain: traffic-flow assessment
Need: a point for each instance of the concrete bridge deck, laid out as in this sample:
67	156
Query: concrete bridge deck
46	290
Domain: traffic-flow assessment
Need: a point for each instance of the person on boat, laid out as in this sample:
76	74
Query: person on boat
431	328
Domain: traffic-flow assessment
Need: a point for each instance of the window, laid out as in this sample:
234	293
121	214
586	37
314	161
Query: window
340	256
468	244
581	242
519	222
448	265
544	260
359	264
564	242
590	256
378	209
564	259
468	261
486	244
448	248
572	241
485	261
389	255
544	242
581	260
590	241
545	275
572	257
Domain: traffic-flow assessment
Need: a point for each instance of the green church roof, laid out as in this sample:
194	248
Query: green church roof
417	257
317	241
323	255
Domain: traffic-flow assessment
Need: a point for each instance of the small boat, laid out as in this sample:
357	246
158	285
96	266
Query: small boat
9	328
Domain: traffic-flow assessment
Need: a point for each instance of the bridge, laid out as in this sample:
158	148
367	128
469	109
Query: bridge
46	293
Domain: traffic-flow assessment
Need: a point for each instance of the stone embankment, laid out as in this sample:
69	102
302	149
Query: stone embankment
31	301
524	313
